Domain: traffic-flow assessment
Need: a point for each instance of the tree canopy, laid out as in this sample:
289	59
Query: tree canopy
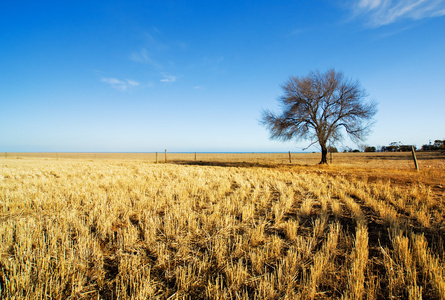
318	106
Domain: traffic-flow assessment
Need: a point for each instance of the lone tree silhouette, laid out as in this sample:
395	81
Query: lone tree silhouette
318	107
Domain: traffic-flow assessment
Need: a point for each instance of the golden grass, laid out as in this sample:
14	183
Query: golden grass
428	161
131	229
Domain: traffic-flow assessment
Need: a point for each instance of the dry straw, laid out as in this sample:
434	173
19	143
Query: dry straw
80	229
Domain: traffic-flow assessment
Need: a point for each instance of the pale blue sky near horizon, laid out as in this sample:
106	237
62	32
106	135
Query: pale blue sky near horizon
144	76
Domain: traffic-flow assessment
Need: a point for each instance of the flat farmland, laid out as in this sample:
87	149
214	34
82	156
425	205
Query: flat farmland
388	160
223	226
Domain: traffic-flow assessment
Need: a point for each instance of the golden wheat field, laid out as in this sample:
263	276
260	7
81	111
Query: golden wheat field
86	228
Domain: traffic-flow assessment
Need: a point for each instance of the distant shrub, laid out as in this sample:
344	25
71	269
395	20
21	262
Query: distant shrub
438	145
332	149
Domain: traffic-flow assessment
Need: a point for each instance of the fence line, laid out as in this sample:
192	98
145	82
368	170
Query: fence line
403	160
173	157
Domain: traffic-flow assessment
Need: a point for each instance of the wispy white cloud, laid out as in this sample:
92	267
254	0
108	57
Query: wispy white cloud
383	12
121	85
155	43
168	78
142	56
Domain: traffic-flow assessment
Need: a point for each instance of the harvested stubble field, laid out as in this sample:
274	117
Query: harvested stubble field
76	228
394	160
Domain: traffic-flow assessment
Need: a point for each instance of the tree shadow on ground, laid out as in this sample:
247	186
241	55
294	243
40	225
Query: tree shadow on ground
225	164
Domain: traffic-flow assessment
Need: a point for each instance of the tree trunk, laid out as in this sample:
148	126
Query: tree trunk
324	154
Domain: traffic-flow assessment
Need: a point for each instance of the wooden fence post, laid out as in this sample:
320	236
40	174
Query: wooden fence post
195	156
414	158
290	158
156	157
165	155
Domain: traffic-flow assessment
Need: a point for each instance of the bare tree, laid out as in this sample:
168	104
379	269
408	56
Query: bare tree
317	107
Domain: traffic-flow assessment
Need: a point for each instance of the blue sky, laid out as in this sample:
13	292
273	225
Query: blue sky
144	76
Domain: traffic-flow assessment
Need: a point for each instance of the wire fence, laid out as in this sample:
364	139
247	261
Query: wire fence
372	160
175	157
